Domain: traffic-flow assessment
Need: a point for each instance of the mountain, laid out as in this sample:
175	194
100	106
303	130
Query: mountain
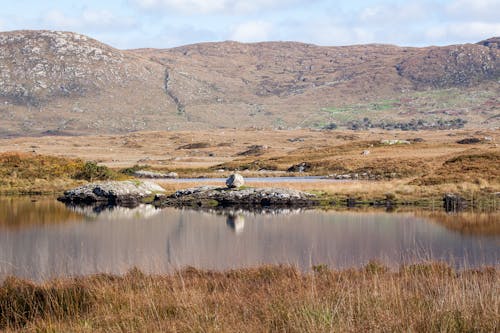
64	83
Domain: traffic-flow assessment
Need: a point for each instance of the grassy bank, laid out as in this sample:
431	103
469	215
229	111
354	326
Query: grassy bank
424	298
24	173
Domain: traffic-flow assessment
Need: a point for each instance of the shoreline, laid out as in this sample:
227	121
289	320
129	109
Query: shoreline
474	200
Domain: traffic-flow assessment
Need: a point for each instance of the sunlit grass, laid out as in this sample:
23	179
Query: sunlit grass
424	297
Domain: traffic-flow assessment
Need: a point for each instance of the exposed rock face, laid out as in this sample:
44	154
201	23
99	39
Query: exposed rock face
493	42
395	142
38	66
76	84
124	193
469	141
254	150
151	174
301	167
457	65
212	196
235	180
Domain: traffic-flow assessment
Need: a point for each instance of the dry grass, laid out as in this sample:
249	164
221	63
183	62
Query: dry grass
423	298
33	173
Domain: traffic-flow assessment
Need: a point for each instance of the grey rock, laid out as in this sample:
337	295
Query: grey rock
152	174
395	142
210	196
235	180
121	193
301	167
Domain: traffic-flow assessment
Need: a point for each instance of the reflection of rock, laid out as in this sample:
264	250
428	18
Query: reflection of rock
236	222
141	211
124	193
453	202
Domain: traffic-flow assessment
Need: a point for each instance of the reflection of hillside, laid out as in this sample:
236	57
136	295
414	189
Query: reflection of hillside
20	211
115	212
467	223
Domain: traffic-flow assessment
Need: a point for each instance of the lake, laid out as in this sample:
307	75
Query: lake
41	238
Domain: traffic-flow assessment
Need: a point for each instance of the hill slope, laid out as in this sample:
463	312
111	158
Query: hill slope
60	82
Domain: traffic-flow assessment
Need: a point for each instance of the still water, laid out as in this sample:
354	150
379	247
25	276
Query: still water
44	239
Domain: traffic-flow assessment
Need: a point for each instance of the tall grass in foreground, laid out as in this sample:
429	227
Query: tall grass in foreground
424	298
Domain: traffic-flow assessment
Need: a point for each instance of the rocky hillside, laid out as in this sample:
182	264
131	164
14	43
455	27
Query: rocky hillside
61	82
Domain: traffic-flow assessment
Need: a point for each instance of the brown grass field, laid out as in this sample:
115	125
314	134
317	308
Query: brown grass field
418	298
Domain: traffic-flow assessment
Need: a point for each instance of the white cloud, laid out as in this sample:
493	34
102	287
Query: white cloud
90	20
334	34
214	6
59	20
462	32
252	31
479	10
387	14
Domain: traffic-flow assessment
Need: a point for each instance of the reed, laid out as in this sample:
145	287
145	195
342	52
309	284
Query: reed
427	297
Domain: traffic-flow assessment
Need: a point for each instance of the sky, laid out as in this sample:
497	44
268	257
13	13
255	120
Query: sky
129	24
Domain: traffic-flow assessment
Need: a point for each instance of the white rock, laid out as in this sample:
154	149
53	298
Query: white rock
235	180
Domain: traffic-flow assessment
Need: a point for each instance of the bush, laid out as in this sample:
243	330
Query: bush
330	126
92	171
131	170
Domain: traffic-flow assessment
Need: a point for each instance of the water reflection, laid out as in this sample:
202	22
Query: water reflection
159	241
467	223
107	212
236	222
24	211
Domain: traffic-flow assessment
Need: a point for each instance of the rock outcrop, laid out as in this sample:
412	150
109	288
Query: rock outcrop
152	174
120	193
213	196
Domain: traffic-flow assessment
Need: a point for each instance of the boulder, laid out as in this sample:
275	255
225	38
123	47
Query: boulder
301	167
469	141
120	193
395	142
152	174
235	180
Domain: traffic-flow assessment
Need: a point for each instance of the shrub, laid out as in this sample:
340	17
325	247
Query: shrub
92	171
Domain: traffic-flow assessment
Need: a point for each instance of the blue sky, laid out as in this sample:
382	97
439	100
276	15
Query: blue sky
167	23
